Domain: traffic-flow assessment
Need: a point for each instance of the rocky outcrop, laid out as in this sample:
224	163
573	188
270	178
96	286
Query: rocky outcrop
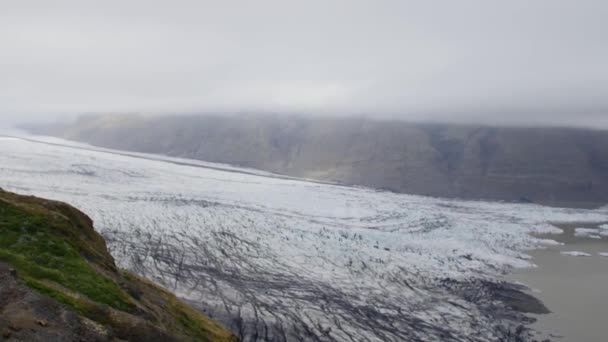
59	283
27	315
554	166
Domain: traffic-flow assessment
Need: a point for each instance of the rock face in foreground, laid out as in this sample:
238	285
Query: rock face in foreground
561	167
59	283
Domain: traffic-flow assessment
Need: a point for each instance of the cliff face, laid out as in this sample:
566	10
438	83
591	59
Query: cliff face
552	166
59	283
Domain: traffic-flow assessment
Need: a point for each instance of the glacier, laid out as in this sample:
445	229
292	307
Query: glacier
282	259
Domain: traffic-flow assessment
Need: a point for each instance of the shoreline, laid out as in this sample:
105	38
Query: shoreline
569	279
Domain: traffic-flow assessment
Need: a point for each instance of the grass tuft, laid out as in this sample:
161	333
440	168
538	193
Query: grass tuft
37	253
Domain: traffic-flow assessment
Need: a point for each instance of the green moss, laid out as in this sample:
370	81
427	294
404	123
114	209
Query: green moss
29	241
186	320
192	323
56	252
86	308
190	326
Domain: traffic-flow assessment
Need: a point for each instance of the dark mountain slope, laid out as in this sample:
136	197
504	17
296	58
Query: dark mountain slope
59	283
555	166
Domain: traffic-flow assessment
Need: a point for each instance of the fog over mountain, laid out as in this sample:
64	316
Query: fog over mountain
555	166
472	61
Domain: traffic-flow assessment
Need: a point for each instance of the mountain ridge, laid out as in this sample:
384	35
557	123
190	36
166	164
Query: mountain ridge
552	166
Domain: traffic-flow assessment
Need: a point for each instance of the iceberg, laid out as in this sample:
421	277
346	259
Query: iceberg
575	253
587	233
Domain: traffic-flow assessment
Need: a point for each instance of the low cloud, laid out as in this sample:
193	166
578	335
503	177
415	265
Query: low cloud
510	62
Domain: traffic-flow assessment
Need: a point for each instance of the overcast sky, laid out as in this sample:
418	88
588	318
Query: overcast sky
486	61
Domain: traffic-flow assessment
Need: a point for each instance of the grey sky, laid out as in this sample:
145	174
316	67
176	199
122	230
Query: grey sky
513	62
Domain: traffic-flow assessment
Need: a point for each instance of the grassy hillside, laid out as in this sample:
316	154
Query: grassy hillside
54	250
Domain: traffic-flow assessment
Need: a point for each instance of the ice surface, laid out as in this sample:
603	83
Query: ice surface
587	233
575	253
277	258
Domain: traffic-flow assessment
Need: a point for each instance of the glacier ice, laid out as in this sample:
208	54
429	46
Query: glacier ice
278	258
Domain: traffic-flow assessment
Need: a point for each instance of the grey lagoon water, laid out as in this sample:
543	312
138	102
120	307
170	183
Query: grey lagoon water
574	288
